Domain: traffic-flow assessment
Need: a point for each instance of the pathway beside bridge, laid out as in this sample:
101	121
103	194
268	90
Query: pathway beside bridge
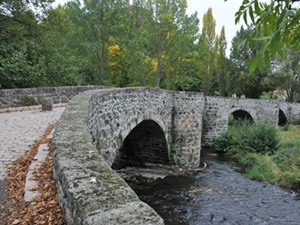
18	131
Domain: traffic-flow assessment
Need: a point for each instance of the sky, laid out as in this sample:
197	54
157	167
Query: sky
223	13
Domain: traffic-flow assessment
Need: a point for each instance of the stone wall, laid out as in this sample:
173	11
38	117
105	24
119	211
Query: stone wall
215	119
146	143
114	114
23	96
218	109
291	110
187	120
90	192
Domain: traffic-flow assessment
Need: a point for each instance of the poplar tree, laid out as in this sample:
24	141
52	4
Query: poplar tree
209	34
222	45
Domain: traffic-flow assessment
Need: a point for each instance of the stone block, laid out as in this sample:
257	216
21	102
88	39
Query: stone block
47	104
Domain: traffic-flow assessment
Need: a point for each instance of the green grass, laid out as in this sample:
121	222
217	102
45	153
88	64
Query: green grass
291	135
279	166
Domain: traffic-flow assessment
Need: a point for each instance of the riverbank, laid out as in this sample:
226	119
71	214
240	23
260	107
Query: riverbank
267	154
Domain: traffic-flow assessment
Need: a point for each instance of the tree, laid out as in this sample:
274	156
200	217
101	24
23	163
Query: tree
61	60
209	45
19	39
241	81
285	74
209	26
275	24
180	49
222	45
97	23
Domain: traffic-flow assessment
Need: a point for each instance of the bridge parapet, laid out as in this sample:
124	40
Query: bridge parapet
90	192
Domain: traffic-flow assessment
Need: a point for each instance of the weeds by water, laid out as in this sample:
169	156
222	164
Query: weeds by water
268	154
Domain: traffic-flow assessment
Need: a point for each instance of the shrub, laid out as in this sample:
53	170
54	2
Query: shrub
248	138
261	138
263	168
296	122
226	141
287	156
286	127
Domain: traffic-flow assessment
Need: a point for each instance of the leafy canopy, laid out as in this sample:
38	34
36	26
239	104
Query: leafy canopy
276	25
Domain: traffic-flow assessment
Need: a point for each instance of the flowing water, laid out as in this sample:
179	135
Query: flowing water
219	195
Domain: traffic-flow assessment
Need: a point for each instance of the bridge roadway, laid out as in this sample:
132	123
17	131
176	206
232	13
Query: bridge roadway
19	130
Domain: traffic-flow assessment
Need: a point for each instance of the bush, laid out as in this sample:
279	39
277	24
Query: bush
296	122
260	167
261	138
286	127
245	137
258	149
226	141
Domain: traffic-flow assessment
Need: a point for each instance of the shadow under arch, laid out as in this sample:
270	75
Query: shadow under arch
146	143
242	115
282	120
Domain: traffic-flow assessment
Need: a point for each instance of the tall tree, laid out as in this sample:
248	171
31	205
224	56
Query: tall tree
159	26
19	38
62	63
222	43
285	75
241	81
180	49
209	35
96	19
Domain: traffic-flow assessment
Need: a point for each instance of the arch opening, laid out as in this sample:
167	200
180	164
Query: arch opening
282	120
241	115
145	144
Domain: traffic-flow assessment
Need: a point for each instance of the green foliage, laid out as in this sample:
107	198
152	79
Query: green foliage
240	81
259	167
276	25
149	43
281	166
284	75
296	121
227	142
286	127
244	137
268	95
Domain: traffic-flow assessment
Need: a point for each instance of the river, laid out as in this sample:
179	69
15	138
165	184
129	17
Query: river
219	195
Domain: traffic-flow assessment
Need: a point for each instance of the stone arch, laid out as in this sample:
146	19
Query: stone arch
146	143
242	115
282	119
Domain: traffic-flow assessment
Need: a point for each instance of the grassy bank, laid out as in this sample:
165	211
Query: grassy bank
268	154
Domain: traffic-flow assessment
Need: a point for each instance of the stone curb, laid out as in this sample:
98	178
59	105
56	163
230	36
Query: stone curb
31	185
29	108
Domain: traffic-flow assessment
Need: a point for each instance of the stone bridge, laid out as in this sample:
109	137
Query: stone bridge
113	128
